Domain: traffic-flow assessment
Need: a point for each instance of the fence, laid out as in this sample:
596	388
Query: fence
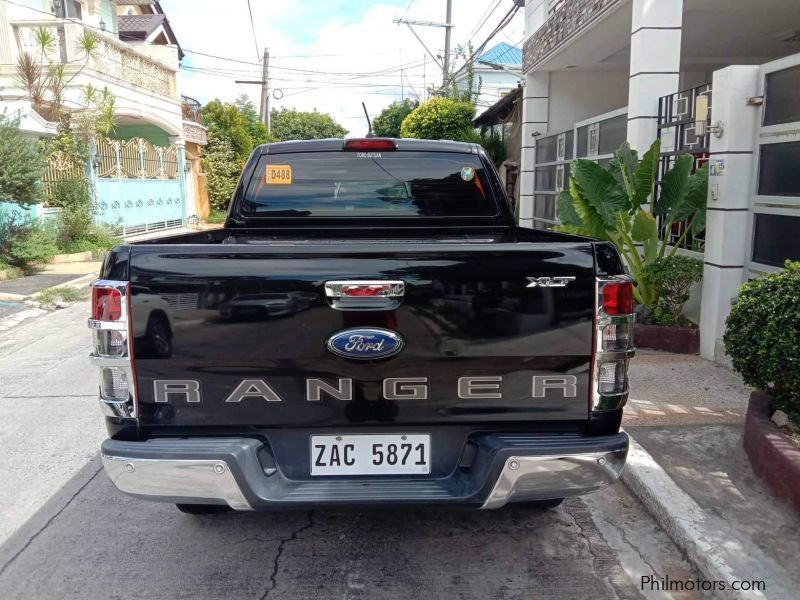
138	185
678	133
60	168
135	159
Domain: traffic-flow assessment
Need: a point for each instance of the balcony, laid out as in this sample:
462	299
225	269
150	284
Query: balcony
193	128
570	18
114	60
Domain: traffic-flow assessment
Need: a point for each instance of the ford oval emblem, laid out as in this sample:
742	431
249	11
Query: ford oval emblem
365	343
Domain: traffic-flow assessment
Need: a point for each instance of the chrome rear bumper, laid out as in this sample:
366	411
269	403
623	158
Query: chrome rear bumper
511	468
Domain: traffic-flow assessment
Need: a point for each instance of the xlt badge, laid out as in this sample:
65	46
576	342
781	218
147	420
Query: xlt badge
549	282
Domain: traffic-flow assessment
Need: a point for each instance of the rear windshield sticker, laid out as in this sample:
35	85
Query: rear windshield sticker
467	173
279	174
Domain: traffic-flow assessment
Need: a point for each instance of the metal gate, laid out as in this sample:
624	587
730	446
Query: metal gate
775	202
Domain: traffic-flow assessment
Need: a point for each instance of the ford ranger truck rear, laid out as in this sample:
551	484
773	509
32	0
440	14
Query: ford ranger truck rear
369	327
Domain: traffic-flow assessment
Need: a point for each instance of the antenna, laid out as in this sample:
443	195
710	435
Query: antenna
369	123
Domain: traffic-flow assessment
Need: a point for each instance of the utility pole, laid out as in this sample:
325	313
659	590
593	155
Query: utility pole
265	89
446	67
444	64
263	111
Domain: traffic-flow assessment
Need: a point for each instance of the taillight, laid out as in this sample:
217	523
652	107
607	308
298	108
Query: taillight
614	319
618	298
370	144
112	348
106	304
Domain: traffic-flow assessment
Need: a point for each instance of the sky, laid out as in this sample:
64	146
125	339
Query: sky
328	55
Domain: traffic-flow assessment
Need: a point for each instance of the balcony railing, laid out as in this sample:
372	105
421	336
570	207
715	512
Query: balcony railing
567	20
113	59
191	110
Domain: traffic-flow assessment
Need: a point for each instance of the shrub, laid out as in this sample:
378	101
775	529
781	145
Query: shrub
388	122
439	119
77	211
26	243
671	278
762	337
23	165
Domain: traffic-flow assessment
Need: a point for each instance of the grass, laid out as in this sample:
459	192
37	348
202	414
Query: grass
216	216
51	296
8	272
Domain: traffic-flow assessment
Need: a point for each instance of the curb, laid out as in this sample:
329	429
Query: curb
77	282
712	545
774	457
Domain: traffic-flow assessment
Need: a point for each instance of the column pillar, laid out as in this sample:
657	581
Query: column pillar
90	169
6	35
730	188
180	144
654	65
535	106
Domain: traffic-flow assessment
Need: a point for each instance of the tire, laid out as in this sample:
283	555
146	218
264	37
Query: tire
204	509
159	337
547	504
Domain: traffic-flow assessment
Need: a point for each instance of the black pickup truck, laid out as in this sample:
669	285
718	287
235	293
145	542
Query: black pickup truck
369	327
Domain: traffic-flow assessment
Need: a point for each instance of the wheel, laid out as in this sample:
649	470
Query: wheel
159	337
203	509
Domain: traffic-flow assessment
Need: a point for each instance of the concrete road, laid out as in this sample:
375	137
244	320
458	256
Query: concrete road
68	533
50	425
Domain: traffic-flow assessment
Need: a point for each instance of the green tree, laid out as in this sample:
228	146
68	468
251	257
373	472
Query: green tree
252	122
471	89
291	124
440	119
226	122
22	165
222	170
387	124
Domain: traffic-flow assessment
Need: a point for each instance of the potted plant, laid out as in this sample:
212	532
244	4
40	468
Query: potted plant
762	338
665	327
611	204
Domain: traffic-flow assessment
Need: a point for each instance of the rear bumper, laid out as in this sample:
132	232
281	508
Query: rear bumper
509	467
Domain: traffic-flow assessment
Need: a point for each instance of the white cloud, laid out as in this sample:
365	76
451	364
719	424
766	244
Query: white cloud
316	58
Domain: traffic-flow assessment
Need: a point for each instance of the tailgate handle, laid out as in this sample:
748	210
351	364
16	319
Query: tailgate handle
365	294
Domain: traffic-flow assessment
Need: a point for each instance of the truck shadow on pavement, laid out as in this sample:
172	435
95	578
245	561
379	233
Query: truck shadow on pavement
91	541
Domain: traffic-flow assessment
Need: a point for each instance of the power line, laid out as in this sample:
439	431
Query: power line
509	16
405	12
487	14
253	27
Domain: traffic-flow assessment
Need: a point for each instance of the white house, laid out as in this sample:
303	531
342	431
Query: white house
141	167
499	70
598	72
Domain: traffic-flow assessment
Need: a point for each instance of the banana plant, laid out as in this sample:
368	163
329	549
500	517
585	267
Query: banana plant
611	204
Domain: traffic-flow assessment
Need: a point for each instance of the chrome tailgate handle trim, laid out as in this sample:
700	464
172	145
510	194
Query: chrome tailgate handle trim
365	294
367	289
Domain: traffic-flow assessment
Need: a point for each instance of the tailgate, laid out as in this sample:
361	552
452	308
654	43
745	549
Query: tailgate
480	344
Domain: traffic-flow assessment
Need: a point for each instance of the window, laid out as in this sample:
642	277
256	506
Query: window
391	184
780	96
776	238
68	9
778	168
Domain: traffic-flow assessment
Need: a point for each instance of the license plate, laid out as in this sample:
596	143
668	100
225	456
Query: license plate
371	454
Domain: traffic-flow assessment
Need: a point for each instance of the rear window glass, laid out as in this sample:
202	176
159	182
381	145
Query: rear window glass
374	184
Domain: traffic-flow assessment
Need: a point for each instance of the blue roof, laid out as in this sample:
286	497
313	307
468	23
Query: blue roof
503	54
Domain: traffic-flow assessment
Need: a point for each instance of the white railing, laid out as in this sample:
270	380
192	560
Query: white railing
113	58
